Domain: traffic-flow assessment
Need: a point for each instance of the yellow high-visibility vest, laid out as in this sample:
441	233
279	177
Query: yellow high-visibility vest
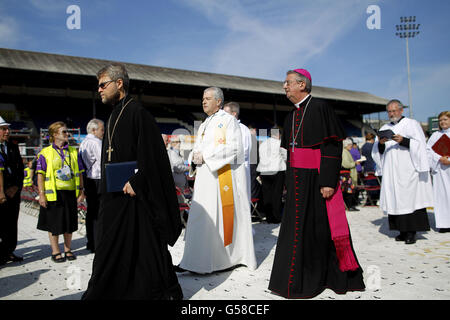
50	178
27	182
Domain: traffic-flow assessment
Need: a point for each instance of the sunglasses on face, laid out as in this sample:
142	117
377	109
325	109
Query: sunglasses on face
103	85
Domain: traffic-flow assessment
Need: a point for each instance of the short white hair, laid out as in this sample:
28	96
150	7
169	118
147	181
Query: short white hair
93	125
218	94
347	142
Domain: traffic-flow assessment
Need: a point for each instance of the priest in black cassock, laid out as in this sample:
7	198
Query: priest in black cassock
314	249
135	225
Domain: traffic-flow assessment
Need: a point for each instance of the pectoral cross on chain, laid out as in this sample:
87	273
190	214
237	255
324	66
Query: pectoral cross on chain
293	144
109	153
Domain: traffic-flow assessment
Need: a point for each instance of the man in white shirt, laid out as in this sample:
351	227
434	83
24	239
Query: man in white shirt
90	151
177	163
272	167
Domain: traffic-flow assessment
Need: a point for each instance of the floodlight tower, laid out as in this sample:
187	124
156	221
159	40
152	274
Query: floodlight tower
408	29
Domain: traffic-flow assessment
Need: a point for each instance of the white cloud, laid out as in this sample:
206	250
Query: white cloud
8	31
264	38
49	6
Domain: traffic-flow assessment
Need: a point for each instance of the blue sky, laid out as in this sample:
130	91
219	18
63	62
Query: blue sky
253	38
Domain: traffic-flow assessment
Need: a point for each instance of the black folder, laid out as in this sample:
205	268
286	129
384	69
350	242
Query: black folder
118	174
386	134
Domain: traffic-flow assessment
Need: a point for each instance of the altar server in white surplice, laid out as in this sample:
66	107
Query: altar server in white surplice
440	169
233	108
219	230
406	189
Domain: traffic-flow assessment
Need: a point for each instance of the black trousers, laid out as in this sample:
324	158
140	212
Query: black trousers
350	199
9	214
93	202
272	191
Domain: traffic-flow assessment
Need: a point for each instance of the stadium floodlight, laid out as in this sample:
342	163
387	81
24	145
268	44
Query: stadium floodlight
408	29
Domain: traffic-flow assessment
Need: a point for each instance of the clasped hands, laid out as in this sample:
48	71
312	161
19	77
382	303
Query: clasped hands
197	158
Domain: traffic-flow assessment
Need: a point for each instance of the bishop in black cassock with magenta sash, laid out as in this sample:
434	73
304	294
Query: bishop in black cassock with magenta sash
314	249
135	225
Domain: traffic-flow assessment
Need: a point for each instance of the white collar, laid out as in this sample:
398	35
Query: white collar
218	112
297	105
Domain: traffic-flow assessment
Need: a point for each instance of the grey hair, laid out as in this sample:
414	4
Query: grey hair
93	125
399	104
116	71
218	94
347	142
300	77
234	107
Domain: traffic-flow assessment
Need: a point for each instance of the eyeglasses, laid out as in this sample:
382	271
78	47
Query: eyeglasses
289	82
64	131
103	85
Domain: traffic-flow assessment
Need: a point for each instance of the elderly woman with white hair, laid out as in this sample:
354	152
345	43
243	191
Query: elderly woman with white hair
349	176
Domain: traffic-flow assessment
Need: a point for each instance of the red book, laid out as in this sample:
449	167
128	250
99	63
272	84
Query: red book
442	146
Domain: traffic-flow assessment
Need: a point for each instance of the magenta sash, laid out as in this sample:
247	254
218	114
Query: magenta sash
310	159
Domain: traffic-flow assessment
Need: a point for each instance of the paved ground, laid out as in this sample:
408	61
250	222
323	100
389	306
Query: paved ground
392	270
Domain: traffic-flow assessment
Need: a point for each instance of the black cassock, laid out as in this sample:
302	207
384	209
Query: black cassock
305	260
132	260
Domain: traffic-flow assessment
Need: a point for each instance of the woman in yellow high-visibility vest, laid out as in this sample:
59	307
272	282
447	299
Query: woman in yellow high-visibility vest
60	184
28	175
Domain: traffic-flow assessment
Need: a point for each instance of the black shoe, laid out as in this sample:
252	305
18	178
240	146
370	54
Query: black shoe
410	238
58	260
71	256
444	230
353	209
179	269
401	237
12	257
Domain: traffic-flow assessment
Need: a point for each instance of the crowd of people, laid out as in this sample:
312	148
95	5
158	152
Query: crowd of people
306	176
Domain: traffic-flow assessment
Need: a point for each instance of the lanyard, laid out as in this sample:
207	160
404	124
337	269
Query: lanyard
63	156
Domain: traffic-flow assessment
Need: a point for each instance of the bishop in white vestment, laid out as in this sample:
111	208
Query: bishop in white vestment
440	170
406	189
218	232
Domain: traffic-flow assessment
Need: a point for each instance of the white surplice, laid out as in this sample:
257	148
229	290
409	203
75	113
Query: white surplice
406	183
219	140
441	182
247	145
